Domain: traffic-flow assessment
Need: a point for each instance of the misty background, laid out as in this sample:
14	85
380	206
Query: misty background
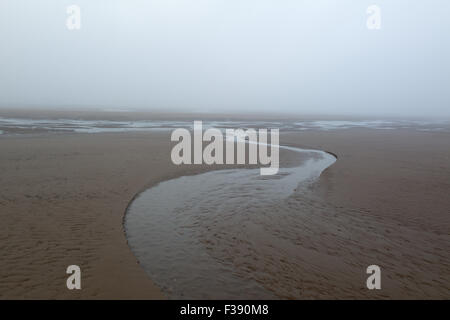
293	56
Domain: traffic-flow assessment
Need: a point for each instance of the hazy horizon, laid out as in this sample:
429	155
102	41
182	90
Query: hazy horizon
216	56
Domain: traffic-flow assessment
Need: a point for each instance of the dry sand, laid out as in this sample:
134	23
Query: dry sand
385	201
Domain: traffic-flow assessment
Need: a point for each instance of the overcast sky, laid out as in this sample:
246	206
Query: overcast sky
315	56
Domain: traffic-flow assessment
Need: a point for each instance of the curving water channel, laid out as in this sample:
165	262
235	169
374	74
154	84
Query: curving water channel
201	236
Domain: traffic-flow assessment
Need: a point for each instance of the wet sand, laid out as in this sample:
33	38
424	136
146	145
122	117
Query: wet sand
385	201
63	198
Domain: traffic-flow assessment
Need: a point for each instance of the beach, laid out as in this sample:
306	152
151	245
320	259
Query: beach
385	201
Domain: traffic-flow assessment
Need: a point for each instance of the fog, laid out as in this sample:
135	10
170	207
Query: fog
293	56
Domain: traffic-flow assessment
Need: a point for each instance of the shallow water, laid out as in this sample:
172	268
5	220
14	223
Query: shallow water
28	125
185	231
